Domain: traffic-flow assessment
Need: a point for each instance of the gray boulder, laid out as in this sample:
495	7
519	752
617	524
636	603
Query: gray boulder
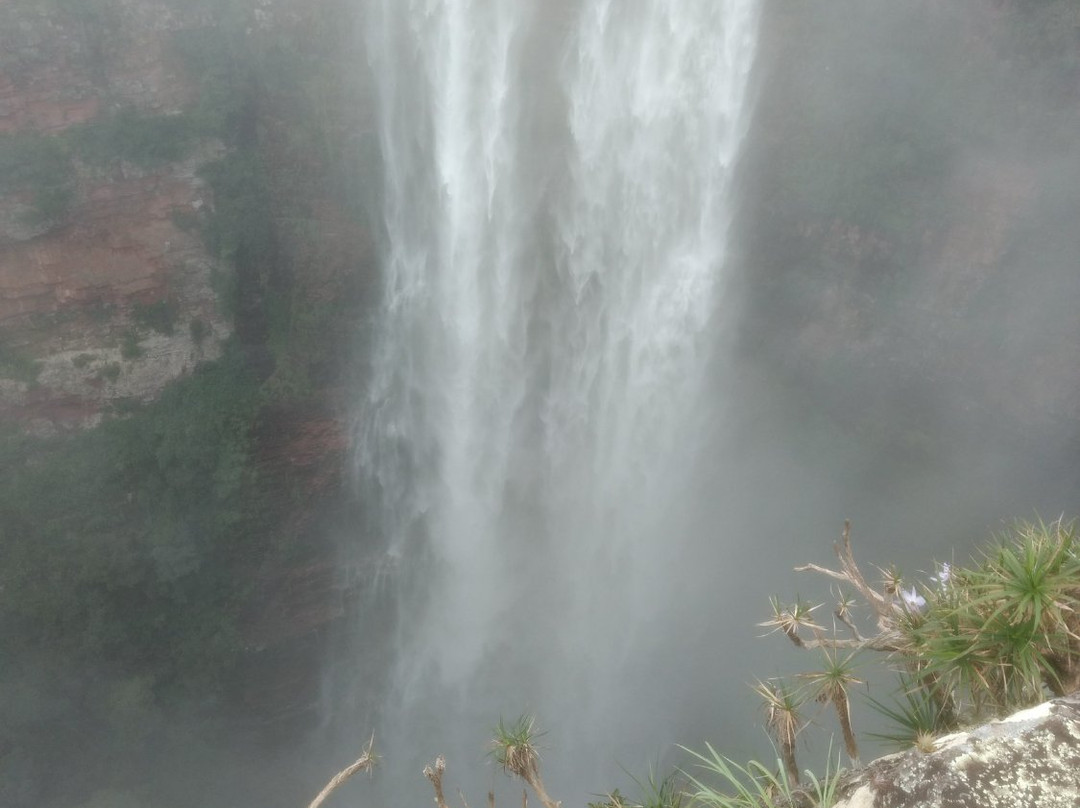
1029	760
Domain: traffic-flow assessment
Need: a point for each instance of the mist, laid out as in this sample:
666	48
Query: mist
548	339
891	288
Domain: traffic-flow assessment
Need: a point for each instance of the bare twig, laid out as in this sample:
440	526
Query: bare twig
365	764
434	773
840	615
850	573
840	576
877	601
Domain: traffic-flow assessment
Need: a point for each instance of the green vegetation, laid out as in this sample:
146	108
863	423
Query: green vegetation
971	643
124	543
514	750
1003	633
199	330
147	141
39	167
129	345
110	372
653	792
974	642
723	783
241	228
185	219
129	552
160	316
16	365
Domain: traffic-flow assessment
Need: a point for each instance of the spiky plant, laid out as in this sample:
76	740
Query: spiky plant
844	612
614	799
999	634
915	715
783	720
1028	593
791	619
726	784
514	749
654	791
661	792
831	685
1004	632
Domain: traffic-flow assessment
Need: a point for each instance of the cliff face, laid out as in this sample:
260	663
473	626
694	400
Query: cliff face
910	171
73	283
173	192
1031	758
110	293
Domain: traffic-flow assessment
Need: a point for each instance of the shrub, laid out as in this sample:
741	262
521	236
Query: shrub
159	316
16	365
39	166
122	543
129	346
110	372
199	330
969	643
147	141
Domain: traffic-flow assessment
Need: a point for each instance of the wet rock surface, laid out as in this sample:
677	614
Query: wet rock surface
1029	760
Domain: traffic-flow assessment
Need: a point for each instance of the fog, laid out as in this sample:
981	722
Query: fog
666	292
880	320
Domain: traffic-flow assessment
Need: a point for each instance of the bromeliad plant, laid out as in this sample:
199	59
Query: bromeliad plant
514	748
973	641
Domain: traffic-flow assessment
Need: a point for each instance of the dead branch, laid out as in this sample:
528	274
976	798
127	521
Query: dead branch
840	576
434	773
850	573
843	618
365	764
888	642
888	639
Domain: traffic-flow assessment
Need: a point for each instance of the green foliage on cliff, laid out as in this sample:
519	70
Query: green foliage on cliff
160	316
974	642
147	141
241	227
261	219
124	543
16	365
39	167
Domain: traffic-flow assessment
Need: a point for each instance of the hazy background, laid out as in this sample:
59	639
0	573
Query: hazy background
905	265
903	283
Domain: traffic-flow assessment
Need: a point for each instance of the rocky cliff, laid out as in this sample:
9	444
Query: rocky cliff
72	281
108	288
184	264
909	172
1028	760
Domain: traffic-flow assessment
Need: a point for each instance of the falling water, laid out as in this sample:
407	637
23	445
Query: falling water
556	203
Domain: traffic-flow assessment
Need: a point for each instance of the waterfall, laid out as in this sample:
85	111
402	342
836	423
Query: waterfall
556	205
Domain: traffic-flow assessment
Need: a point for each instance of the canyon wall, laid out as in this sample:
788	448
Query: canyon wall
184	262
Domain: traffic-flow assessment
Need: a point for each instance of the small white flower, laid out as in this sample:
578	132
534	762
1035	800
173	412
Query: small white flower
912	599
943	576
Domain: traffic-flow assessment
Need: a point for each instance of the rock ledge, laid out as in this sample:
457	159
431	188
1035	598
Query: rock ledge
1029	760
